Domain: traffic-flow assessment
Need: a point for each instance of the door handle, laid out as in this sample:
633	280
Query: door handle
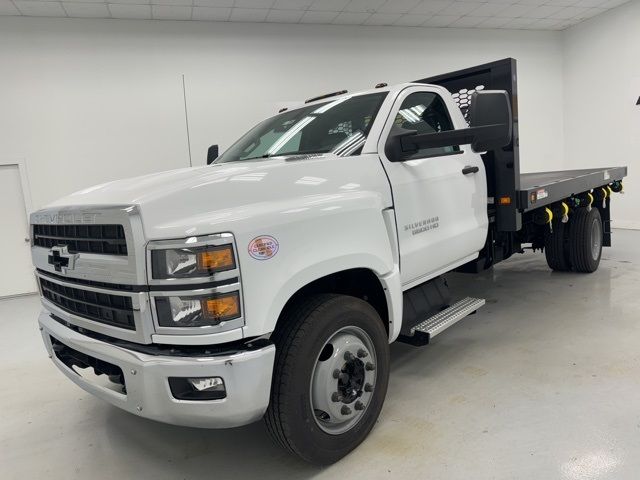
469	169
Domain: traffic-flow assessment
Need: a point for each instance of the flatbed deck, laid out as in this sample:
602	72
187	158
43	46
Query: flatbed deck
544	188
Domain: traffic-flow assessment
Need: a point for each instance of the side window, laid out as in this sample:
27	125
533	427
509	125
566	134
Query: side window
425	112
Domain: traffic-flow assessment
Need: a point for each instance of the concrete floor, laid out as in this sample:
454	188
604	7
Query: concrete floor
543	383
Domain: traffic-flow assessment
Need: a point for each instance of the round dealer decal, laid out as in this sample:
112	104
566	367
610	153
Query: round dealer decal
263	247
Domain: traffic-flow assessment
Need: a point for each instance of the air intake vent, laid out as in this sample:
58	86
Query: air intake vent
103	239
104	308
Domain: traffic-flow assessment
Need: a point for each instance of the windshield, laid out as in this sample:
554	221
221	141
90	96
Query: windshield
340	126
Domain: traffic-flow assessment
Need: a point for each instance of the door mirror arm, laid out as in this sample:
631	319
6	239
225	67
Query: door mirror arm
491	128
477	137
397	145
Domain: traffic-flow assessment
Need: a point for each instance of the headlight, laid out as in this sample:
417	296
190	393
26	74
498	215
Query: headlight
197	311
191	262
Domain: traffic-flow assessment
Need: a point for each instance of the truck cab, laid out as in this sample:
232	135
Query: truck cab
271	282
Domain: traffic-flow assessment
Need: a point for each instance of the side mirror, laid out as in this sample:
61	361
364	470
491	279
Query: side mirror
490	114
212	154
491	128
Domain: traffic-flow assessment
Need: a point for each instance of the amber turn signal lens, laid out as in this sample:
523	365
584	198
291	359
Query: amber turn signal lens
222	308
219	258
505	200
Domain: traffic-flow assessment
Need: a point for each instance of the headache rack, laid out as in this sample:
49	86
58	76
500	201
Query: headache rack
514	199
502	165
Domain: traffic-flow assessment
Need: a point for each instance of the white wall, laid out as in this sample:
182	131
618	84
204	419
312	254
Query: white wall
602	86
86	101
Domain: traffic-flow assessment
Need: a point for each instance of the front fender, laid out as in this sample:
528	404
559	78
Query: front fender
390	283
312	246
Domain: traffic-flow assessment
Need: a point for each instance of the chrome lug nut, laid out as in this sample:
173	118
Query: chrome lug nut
370	366
336	373
348	356
336	397
368	387
345	410
359	405
362	353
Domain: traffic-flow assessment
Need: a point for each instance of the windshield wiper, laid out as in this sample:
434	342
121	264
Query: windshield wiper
266	155
286	154
308	152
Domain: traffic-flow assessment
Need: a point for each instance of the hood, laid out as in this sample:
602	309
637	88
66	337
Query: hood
201	200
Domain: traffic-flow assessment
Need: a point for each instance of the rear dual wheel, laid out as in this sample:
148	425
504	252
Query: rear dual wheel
330	377
585	234
556	246
576	245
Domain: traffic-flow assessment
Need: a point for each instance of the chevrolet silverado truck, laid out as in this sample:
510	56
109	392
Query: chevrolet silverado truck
270	282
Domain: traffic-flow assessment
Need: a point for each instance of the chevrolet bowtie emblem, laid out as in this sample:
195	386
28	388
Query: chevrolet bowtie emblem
61	259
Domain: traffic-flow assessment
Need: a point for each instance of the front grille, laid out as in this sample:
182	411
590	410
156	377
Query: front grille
93	283
105	239
104	308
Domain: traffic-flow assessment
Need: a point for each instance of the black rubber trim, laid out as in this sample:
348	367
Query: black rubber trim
198	286
156	349
140	288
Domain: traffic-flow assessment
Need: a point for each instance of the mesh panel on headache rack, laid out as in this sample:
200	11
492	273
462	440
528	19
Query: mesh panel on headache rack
463	99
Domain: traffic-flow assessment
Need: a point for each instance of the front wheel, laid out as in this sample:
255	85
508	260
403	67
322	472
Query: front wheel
330	377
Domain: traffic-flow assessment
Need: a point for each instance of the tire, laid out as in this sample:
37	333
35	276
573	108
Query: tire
301	352
585	240
556	248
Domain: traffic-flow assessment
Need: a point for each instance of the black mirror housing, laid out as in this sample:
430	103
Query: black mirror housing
490	112
212	154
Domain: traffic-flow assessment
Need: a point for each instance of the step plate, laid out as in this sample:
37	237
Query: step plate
447	317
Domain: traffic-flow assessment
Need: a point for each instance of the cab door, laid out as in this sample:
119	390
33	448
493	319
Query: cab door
439	194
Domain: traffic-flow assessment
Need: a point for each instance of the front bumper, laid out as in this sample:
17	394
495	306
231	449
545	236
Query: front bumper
247	377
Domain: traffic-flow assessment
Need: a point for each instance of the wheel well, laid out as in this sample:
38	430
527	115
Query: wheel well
357	282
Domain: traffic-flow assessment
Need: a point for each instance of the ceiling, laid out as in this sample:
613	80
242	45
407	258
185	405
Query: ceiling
513	14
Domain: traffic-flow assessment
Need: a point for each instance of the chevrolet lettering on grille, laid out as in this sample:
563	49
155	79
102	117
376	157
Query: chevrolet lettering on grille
65	218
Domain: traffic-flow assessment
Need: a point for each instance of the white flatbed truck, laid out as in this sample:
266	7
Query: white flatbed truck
271	282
